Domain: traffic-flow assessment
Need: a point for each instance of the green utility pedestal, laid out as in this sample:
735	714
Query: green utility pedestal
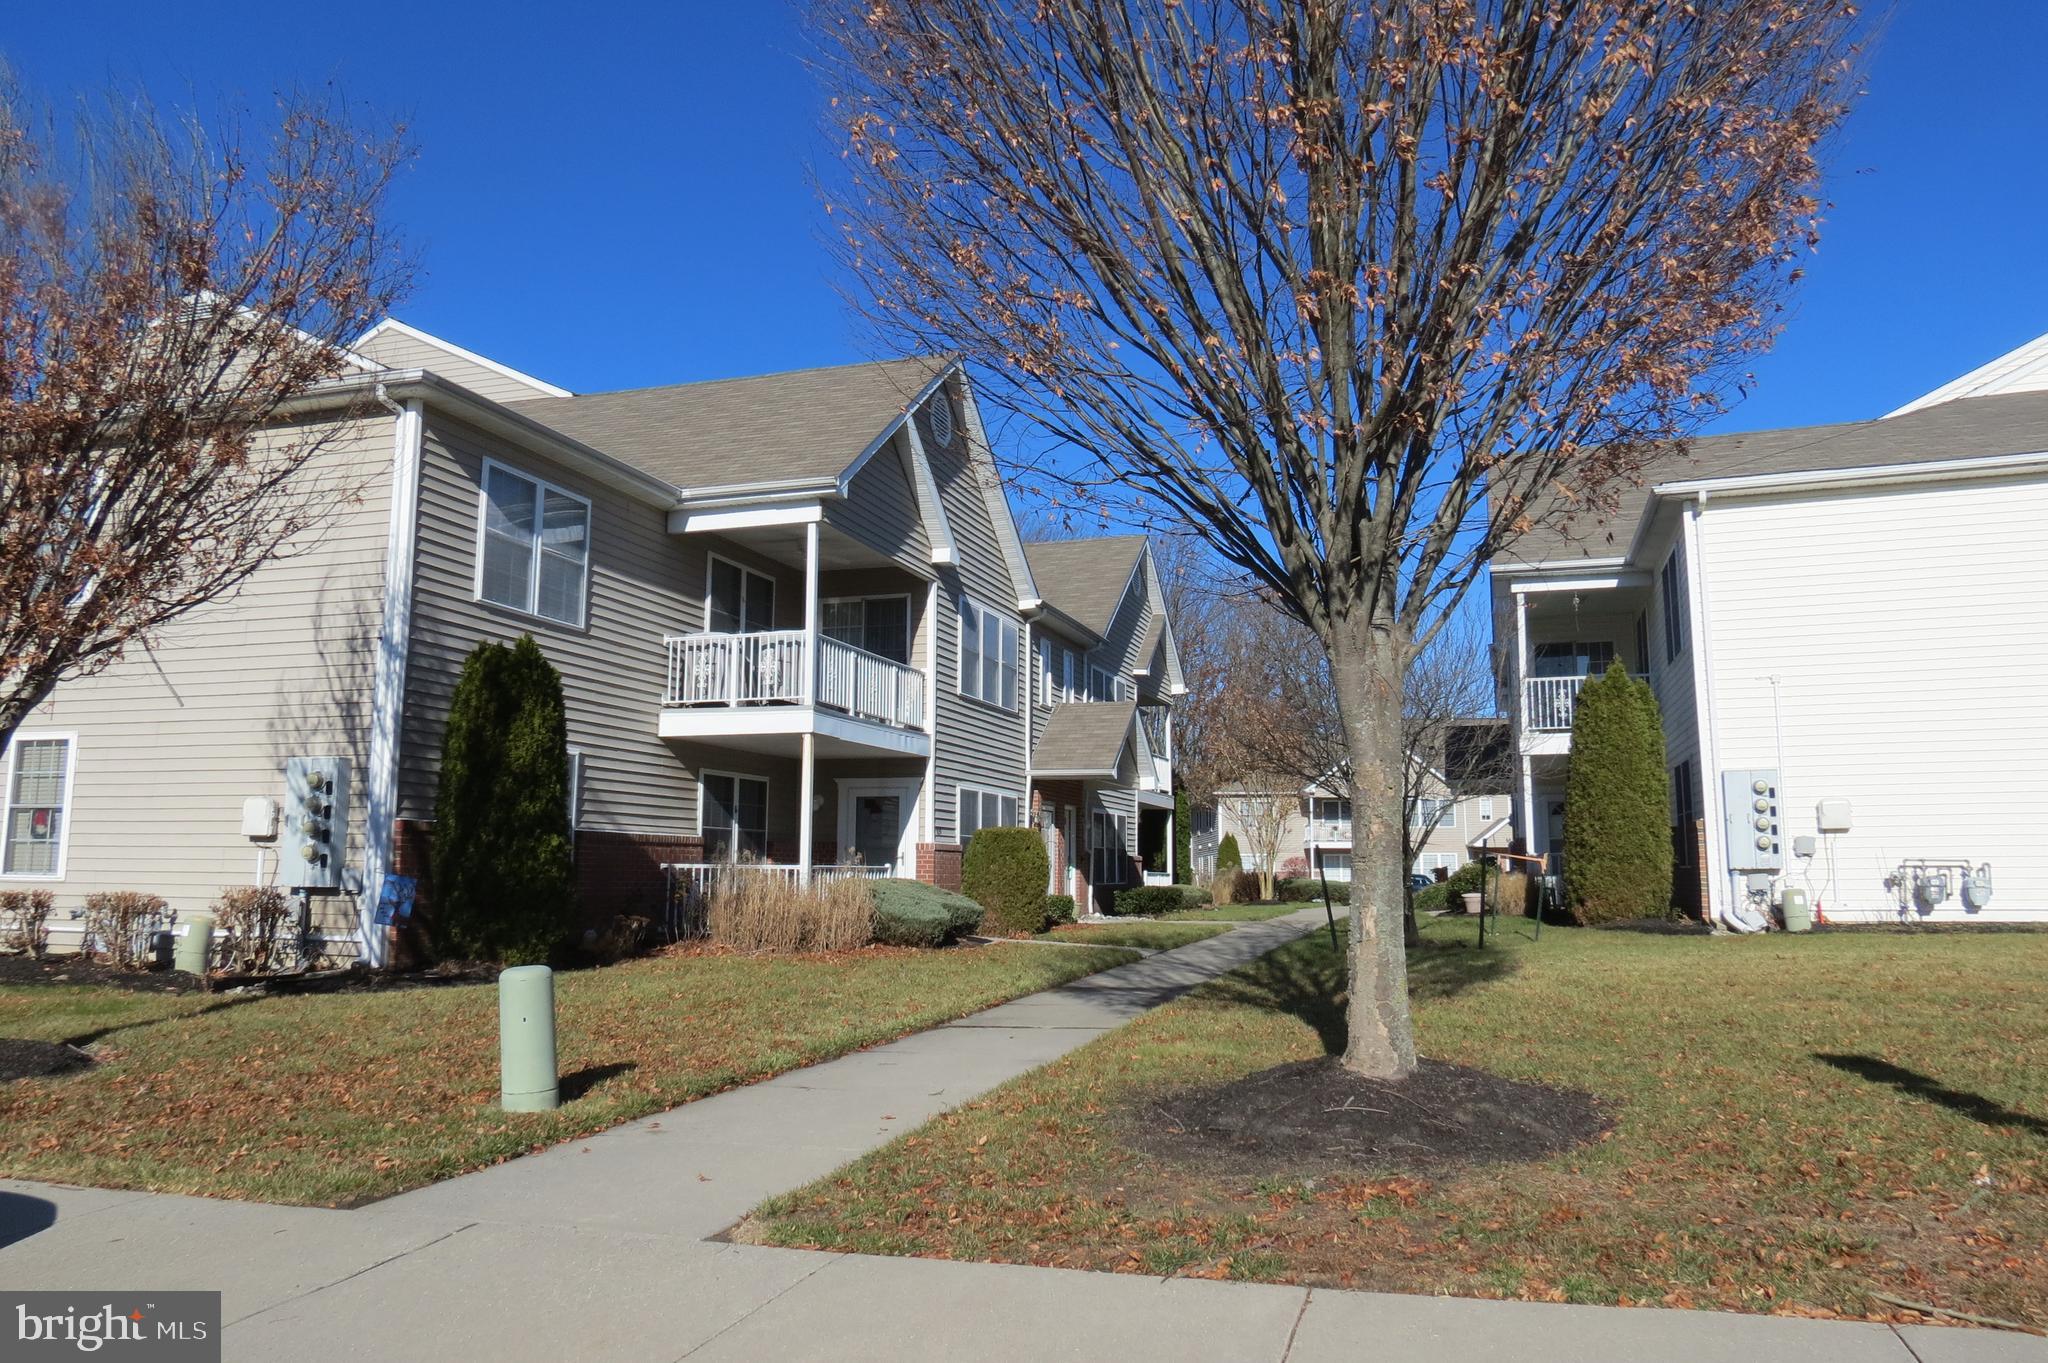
190	949
526	1040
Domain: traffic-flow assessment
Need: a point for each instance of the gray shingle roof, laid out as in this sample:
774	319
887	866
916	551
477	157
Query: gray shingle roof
1085	578
1968	428
808	424
1084	738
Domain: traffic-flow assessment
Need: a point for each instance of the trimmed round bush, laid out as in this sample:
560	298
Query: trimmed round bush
1194	896
1005	871
1300	890
1059	908
1147	901
910	913
1449	893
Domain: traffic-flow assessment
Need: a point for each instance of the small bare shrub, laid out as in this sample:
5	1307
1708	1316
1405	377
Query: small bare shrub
252	916
118	924
25	921
1235	887
755	909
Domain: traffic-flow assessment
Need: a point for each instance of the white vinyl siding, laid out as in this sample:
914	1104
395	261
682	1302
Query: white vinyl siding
33	804
533	545
1905	631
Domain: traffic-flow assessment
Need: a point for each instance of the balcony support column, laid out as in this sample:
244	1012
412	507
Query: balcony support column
808	785
1522	660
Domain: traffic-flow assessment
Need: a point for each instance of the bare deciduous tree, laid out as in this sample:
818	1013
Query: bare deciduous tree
164	294
1353	291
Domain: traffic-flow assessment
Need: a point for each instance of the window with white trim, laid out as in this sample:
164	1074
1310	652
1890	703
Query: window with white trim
988	655
1107	834
1671	582
1046	684
33	805
737	600
1486	807
980	807
874	624
732	816
1104	685
1327	810
533	551
1431	811
1067	665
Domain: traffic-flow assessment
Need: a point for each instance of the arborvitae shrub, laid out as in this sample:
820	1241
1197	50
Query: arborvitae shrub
503	870
1617	804
1005	871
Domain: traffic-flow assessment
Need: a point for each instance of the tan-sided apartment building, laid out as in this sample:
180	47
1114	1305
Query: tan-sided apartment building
792	614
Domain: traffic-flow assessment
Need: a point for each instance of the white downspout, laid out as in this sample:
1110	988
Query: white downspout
387	696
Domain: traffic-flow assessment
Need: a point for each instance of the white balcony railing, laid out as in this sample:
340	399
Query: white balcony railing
1329	830
1549	704
767	668
868	685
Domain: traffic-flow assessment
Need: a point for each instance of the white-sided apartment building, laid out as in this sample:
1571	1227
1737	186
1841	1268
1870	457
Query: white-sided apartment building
1846	628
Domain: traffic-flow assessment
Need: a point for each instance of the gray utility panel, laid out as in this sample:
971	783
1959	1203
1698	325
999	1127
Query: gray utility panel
315	840
1749	802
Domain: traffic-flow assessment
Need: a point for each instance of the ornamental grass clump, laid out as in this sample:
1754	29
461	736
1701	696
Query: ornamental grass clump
755	908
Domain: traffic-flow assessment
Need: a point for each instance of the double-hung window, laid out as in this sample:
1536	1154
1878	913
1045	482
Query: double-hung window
1046	683
1104	685
1430	811
37	795
988	655
732	816
1672	583
534	550
874	624
1330	811
983	808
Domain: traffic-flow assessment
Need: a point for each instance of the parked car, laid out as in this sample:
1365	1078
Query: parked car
1419	882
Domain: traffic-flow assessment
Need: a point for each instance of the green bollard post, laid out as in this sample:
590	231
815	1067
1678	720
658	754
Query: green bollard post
526	1040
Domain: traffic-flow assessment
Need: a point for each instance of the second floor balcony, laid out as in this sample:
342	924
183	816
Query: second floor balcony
1551	704
779	681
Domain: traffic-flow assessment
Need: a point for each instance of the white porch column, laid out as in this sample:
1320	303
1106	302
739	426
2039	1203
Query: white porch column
807	787
1528	820
1519	700
804	818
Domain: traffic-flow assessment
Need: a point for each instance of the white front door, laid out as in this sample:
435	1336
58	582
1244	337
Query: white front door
878	824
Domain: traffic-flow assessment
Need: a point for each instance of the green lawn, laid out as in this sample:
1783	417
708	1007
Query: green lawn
344	1097
1143	934
1800	1121
1237	913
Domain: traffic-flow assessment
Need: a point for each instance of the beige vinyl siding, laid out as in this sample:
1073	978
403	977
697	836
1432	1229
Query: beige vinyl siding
881	511
172	738
976	743
643	583
1906	629
400	351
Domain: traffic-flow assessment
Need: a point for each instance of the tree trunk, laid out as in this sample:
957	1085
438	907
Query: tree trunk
1367	665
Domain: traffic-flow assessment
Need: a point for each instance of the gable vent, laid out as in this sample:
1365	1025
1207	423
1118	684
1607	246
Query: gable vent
942	421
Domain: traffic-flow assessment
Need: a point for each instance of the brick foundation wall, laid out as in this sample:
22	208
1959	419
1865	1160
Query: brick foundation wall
938	863
616	873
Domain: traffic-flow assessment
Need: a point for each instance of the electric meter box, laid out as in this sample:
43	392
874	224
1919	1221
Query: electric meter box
1749	805
315	822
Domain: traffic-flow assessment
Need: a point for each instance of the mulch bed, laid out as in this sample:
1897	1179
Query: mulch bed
1315	1116
15	970
32	1059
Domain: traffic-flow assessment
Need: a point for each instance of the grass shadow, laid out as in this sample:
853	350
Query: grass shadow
1978	1108
1442	971
1305	984
84	1039
579	1082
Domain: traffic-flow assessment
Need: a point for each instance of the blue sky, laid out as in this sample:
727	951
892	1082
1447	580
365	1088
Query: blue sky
611	200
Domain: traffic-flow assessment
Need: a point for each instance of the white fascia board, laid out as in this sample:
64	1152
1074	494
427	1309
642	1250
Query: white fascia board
712	723
694	521
753	494
998	501
1073	773
1931	470
1552	566
1076	632
1595	582
1983	381
917	466
902	419
497	418
540	386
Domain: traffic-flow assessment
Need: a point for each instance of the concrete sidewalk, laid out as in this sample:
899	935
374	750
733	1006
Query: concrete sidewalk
597	1249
